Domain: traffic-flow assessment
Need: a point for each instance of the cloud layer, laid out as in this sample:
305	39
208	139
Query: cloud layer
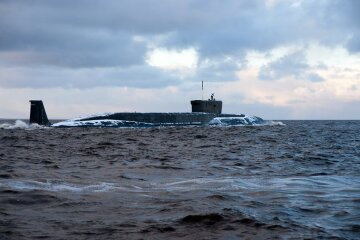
99	34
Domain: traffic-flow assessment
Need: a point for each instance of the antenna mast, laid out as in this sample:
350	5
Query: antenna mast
202	90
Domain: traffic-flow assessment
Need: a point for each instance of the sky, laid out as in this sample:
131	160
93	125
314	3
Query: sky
277	59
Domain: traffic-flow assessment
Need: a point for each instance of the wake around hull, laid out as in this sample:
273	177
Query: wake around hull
160	119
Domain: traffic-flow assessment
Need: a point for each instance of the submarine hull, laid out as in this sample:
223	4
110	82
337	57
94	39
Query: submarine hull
203	112
158	118
161	119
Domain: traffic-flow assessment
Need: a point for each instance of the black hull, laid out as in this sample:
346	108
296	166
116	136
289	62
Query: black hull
162	118
157	118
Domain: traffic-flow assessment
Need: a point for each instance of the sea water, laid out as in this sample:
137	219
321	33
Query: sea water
299	179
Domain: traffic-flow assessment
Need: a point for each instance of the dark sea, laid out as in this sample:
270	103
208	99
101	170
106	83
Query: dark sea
300	180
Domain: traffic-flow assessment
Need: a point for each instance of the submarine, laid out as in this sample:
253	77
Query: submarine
203	112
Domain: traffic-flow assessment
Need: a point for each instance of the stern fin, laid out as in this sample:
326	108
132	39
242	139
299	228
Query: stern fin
38	113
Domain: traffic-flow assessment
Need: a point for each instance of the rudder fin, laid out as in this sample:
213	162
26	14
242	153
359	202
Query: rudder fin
38	113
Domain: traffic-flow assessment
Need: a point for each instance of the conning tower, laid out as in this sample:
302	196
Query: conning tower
207	106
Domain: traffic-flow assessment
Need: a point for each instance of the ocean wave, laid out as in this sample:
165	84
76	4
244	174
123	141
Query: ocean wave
246	120
327	183
322	184
56	186
18	124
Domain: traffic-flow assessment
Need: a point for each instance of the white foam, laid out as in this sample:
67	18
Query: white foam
243	121
20	125
338	185
200	181
95	123
76	123
274	123
91	116
56	186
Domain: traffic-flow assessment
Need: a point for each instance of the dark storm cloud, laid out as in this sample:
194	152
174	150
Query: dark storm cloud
93	34
134	76
219	70
343	17
215	27
41	35
293	65
89	28
353	45
236	27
